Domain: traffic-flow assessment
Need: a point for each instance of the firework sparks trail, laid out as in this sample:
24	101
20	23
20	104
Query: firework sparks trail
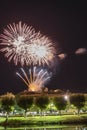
36	79
23	45
15	40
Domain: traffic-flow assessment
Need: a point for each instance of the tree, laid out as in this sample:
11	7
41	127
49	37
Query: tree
78	100
60	103
7	102
25	102
42	102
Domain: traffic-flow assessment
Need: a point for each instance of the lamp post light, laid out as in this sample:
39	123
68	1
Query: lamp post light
66	97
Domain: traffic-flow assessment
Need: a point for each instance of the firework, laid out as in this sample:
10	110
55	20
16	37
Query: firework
62	56
42	51
15	40
36	79
81	51
23	45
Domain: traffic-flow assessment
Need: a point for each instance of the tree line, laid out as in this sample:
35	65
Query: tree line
9	102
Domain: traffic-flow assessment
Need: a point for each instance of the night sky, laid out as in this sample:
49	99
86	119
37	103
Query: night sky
65	24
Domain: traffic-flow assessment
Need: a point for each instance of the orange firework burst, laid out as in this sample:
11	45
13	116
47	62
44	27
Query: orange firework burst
36	80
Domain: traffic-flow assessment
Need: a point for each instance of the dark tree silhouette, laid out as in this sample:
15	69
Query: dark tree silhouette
42	102
25	102
60	103
78	100
7	102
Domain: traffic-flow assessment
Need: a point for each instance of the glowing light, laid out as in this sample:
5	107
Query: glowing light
24	46
62	56
66	97
80	51
36	80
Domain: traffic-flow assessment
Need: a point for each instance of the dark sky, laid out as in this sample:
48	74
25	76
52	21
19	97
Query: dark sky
66	24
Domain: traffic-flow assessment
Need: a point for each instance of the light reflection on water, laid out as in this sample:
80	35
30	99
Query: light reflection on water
46	128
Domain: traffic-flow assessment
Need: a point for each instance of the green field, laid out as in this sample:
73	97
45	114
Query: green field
35	127
45	120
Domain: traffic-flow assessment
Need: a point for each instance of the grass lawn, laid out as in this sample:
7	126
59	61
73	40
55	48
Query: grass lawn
45	120
34	127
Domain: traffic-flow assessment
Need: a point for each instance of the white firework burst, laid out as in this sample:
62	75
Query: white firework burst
36	79
23	45
16	38
42	51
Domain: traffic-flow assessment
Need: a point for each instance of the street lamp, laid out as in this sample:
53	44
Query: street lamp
66	97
